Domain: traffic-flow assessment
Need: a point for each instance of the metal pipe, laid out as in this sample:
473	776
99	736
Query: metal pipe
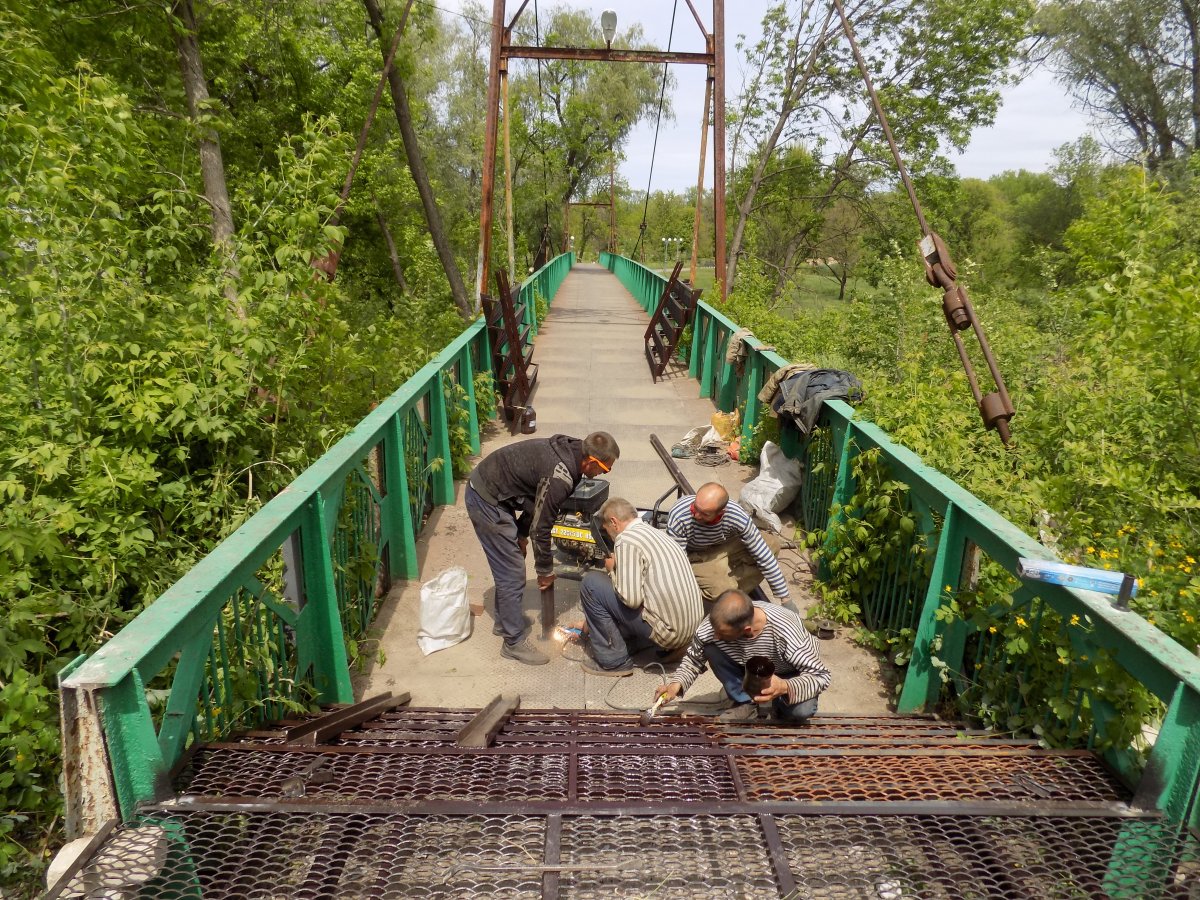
508	190
708	85
718	54
487	187
597	55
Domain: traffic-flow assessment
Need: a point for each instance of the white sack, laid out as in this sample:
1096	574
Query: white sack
774	488
445	613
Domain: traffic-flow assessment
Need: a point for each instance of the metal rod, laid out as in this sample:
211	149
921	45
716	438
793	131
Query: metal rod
508	188
883	122
677	476
487	186
696	16
779	856
513	21
718	53
708	86
1073	809
551	856
515	51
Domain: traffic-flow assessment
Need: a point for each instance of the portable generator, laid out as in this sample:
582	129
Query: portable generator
576	533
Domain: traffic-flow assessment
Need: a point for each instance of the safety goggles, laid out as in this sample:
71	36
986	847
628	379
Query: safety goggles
702	517
603	468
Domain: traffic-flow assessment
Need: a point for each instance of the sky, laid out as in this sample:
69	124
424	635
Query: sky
1035	117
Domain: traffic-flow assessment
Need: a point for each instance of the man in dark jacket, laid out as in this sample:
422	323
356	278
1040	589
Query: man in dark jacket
516	492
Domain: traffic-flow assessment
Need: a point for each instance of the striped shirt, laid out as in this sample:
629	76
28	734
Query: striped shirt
695	536
784	640
652	574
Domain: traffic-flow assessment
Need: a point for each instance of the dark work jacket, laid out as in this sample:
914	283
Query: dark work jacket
532	478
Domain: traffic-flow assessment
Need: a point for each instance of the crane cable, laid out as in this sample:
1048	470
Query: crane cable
657	124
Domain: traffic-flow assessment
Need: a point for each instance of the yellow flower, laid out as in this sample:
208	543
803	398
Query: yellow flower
1020	622
991	629
1189	560
1074	620
1084	657
1064	660
1091	549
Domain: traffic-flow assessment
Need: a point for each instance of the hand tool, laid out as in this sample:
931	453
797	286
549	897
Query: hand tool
653	710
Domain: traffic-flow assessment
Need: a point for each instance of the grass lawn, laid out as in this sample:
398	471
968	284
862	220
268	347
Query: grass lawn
813	292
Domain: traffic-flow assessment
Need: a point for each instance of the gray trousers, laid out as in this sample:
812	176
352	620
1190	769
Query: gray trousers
497	532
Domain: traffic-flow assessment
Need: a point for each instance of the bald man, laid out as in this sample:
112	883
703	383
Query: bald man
738	630
725	547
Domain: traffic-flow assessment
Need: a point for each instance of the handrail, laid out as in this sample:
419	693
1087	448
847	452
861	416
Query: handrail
954	521
260	625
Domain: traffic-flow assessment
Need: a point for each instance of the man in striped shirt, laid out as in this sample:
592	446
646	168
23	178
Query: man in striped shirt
647	598
725	547
738	629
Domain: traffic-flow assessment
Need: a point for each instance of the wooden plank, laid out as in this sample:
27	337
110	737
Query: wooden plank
482	730
334	723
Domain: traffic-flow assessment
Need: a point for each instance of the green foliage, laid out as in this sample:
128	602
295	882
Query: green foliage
485	399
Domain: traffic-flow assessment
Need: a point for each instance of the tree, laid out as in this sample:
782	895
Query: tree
1136	66
937	68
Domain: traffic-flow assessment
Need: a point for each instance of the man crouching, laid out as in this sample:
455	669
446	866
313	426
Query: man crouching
738	630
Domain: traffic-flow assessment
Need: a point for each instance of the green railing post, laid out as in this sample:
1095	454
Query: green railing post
139	771
320	622
841	446
397	505
922	681
707	360
753	386
699	323
439	442
466	378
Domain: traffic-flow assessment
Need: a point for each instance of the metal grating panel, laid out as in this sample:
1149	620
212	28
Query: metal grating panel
379	778
667	777
183	856
1060	778
666	858
968	858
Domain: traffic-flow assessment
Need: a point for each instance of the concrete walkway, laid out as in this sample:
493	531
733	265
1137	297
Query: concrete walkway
593	376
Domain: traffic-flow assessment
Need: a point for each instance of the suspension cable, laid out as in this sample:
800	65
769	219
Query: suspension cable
537	42
657	124
995	407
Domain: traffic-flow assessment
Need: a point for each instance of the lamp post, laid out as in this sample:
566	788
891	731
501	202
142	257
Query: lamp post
608	25
669	242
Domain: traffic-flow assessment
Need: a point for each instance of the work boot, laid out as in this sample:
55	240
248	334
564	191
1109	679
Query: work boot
524	652
594	668
741	712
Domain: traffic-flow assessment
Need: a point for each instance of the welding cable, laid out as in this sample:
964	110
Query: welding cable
712	456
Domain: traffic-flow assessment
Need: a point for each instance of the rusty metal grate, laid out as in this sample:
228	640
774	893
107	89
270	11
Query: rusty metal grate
1064	776
666	858
966	858
570	803
376	777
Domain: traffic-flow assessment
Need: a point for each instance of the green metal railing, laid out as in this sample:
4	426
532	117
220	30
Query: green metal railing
924	575
262	624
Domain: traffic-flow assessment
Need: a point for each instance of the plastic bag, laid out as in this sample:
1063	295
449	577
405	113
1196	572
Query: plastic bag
727	424
774	488
445	613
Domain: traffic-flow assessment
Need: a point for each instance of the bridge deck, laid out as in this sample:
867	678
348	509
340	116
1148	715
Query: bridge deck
593	375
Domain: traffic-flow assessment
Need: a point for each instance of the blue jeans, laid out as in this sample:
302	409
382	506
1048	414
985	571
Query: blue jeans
497	532
614	630
731	673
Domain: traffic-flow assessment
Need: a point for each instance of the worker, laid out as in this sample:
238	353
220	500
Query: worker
647	597
725	547
515	494
738	629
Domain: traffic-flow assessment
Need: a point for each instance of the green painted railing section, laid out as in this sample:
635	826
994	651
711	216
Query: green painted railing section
262	625
951	521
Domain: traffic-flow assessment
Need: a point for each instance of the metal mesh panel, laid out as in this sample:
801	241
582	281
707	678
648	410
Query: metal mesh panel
963	858
667	777
218	855
377	777
898	778
678	857
356	559
820	467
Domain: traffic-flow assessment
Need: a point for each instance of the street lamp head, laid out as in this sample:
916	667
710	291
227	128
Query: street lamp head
608	25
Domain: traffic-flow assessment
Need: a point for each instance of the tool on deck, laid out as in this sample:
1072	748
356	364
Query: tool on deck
653	710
